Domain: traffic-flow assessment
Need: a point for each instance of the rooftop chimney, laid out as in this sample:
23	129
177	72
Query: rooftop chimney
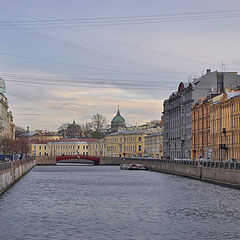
208	71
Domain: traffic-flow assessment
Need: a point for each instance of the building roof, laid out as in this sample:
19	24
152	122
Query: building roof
232	94
154	134
47	134
127	132
63	140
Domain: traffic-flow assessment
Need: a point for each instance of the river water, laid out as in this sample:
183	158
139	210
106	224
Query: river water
103	202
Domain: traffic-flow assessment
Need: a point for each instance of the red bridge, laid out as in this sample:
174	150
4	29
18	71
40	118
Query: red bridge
95	159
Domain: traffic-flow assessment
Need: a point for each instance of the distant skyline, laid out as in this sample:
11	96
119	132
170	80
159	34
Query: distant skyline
65	69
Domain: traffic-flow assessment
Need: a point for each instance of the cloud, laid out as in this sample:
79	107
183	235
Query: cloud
45	95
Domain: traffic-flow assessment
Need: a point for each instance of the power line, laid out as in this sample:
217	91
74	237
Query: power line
88	51
118	23
28	98
89	83
80	66
79	78
128	18
56	23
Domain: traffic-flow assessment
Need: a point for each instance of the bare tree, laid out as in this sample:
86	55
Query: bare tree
22	146
20	132
98	122
17	146
5	144
62	130
87	130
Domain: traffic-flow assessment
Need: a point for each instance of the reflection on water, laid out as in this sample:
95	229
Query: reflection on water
96	202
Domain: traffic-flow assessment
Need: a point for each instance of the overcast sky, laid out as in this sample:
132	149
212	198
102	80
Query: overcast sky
89	62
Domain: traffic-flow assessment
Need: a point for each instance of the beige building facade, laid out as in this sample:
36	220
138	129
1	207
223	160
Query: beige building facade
97	148
125	144
154	145
60	147
7	127
225	126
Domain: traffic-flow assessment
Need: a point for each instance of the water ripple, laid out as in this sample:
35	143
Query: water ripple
92	202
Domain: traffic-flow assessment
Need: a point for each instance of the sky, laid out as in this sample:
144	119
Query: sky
67	60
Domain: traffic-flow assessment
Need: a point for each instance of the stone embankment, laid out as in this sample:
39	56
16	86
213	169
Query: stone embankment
215	172
11	172
45	161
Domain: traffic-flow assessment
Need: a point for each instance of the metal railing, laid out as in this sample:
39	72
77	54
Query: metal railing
12	164
210	164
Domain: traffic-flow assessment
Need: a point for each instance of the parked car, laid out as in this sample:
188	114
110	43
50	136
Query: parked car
231	160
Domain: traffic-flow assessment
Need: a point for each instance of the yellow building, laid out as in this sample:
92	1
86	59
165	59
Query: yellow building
61	147
201	129
225	126
39	148
126	143
97	148
154	145
68	147
46	137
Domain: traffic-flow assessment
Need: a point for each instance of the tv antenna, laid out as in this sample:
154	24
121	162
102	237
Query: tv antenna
223	66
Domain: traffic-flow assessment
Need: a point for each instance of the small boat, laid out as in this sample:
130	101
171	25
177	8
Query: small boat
124	166
132	167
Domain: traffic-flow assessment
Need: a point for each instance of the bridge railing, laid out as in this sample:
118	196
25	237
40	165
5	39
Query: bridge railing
87	157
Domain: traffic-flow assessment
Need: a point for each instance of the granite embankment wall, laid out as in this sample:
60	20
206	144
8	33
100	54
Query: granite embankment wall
215	172
11	172
45	160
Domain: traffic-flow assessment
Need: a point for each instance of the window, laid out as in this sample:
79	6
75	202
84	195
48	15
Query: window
83	146
139	139
40	147
139	148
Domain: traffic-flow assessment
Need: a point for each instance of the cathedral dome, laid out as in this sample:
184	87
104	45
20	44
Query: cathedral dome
118	118
118	122
2	86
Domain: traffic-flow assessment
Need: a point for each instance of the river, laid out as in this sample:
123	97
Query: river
103	202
